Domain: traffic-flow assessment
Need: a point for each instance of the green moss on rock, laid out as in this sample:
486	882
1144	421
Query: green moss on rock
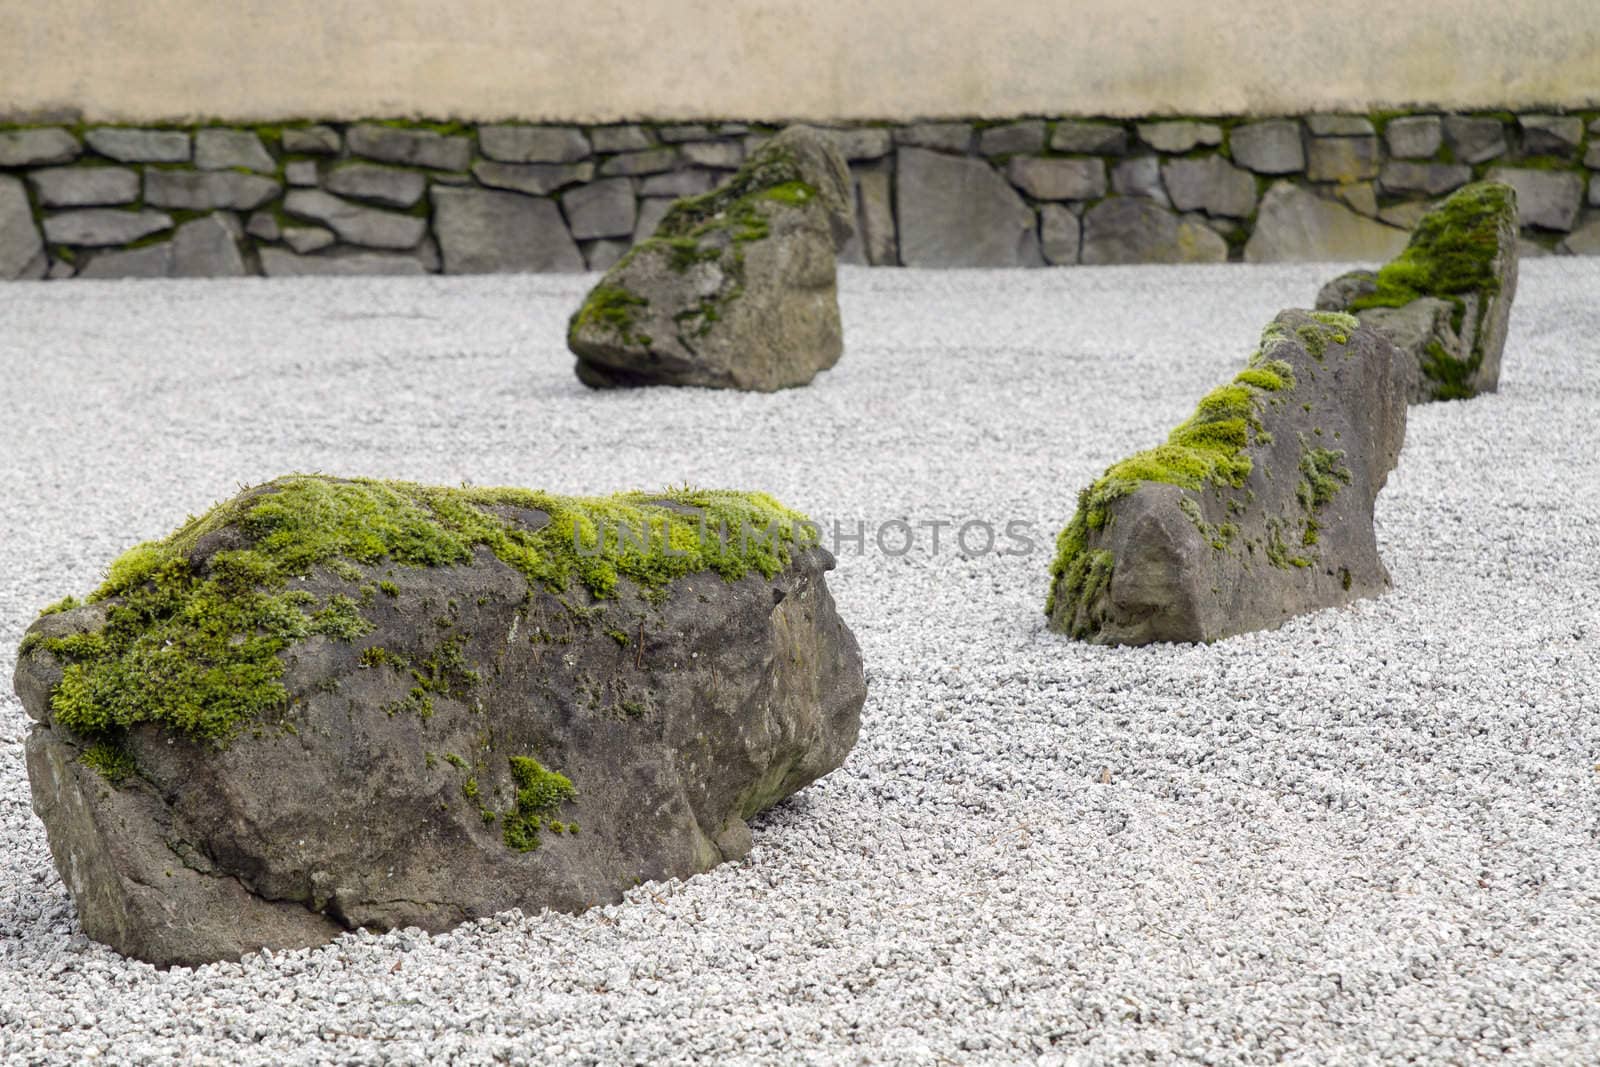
540	794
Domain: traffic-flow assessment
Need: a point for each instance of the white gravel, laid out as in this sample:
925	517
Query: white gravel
1368	837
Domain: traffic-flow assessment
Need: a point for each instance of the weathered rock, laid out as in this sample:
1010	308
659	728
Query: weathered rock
604	254
1257	509
93	227
226	149
263	225
417	148
357	225
1026	136
308	239
533	144
1060	234
37	147
281	263
208	247
605	208
875	217
650	161
620	139
1058	179
692	131
1550	134
535	179
1474	140
1342	159
1414	136
1445	301
84	186
303	173
678	183
957	212
1339	125
1406	215
312	141
1271	147
1128	229
60	270
196	190
1584	241
1180	136
1549	199
1093	138
862	143
1296	225
139	146
1210	184
722	155
484	232
433	723
1362	196
736	289
1591	159
938	136
22	252
151	261
379	185
651	212
1430	179
1140	176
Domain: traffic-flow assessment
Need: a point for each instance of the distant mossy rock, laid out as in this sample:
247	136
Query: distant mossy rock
1257	509
1445	301
331	704
736	289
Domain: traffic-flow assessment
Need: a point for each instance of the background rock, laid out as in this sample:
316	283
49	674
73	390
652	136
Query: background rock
355	224
533	144
21	248
957	212
1210	184
223	149
103	226
1296	225
193	190
35	147
1135	230
418	148
1549	199
388	186
1414	136
483	232
1272	147
84	186
139	146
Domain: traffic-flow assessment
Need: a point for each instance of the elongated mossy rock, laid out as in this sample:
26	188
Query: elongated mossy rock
736	289
1257	509
332	704
1445	302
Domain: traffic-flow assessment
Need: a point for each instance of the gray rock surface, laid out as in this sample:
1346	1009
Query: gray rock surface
1414	136
1140	176
938	136
1136	230
221	149
1406	215
533	144
1363	196
388	186
40	146
195	190
957	212
605	208
604	254
139	146
22	254
1058	179
1342	159
417	148
1282	524
208	247
282	263
721	155
263	225
1296	225
1210	184
736	289
1013	137
535	179
1549	199
678	183
483	232
649	161
691	131
714	703
151	261
303	173
620	138
864	143
1474	140
1339	125
1429	179
355	224
1550	134
1060	234
312	140
308	239
1591	159
84	186
651	211
1583	241
1093	138
1180	136
92	227
875	217
1271	147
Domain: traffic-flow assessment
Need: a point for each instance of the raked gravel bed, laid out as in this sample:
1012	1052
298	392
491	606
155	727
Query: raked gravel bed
1371	836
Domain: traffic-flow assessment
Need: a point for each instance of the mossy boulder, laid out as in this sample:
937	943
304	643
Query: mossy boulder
1256	509
1445	301
736	288
331	704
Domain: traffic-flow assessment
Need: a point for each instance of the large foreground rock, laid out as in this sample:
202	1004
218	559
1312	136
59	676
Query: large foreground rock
736	289
1257	509
332	704
1445	301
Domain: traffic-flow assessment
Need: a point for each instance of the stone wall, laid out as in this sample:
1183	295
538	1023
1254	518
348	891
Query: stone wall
397	198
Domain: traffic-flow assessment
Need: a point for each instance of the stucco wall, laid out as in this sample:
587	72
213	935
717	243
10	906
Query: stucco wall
599	60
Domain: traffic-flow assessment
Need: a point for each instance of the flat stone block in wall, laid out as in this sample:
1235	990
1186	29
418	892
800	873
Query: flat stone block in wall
376	184
939	136
1137	230
1058	179
1414	136
1027	136
678	183
1140	176
1550	134
1474	140
417	148
1362	196
1549	199
1059	235
1342	159
21	248
533	144
535	179
651	161
484	232
603	255
875	217
620	138
721	155
1591	158
1297	225
651	211
1090	138
1339	125
1430	179
227	149
955	211
281	263
1180	136
355	224
208	247
33	148
605	208
1405	216
84	186
140	146
1585	240
263	226
1210	184
308	239
312	141
152	261
100	227
1271	147
195	190
692	131
863	144
301	173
